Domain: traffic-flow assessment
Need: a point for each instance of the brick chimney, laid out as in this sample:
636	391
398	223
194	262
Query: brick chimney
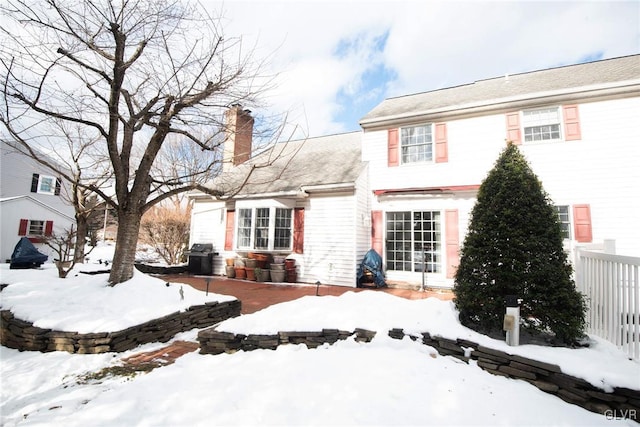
237	145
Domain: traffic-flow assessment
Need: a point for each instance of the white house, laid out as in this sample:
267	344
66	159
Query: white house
406	184
298	199
32	203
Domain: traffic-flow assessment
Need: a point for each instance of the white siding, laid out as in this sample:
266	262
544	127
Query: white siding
208	221
329	241
362	217
601	170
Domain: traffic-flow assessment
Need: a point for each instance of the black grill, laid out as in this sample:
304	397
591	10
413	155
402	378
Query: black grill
201	258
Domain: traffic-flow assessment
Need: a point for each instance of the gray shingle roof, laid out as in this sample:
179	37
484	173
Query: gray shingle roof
327	160
568	78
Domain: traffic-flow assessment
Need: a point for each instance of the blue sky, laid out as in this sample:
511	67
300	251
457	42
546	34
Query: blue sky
337	60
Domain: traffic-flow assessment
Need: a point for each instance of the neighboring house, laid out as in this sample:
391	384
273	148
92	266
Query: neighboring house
422	159
31	203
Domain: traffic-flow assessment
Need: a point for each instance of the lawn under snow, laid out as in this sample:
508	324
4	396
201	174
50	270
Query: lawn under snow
385	382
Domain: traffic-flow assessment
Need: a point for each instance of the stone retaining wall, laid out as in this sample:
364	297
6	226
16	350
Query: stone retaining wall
621	403
22	335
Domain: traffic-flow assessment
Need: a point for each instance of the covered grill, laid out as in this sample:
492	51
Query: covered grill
201	258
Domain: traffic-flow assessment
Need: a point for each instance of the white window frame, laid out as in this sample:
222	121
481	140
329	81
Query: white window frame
565	218
36	227
432	267
42	179
541	121
254	231
417	144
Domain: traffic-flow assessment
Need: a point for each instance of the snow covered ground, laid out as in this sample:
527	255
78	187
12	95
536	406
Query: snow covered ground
385	382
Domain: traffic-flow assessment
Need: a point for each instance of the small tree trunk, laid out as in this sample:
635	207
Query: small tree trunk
81	238
126	244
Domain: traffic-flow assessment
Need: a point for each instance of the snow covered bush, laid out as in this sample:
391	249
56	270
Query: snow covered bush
514	247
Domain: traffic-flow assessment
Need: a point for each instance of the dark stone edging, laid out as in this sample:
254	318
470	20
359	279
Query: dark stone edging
22	335
621	403
158	269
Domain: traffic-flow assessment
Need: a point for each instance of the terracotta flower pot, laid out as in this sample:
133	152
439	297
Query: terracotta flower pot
241	273
230	262
251	263
251	273
291	275
289	263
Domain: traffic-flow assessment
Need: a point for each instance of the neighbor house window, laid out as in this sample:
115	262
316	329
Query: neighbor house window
265	228
36	228
416	143
542	124
565	221
414	241
45	184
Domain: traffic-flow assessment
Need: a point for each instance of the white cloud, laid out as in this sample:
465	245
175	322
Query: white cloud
325	52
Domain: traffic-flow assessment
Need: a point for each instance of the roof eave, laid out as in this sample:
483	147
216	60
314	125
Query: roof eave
624	89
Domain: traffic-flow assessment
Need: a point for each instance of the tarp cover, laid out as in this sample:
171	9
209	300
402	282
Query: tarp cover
25	255
371	262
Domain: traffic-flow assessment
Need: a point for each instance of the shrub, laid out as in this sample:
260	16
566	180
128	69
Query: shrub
514	247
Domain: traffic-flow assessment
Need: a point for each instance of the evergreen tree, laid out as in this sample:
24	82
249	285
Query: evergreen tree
514	247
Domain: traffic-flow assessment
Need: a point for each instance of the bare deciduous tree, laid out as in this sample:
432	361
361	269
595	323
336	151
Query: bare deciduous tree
129	74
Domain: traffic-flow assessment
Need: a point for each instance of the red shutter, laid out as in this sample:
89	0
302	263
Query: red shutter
452	241
22	229
582	223
228	232
376	231
513	127
298	230
442	152
48	228
571	123
392	148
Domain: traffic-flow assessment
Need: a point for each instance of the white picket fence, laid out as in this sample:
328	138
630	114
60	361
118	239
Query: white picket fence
612	286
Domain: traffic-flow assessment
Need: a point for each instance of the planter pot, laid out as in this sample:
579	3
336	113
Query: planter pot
292	275
251	263
275	266
263	275
241	273
278	259
262	257
251	273
231	271
238	262
277	275
289	263
230	262
261	263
